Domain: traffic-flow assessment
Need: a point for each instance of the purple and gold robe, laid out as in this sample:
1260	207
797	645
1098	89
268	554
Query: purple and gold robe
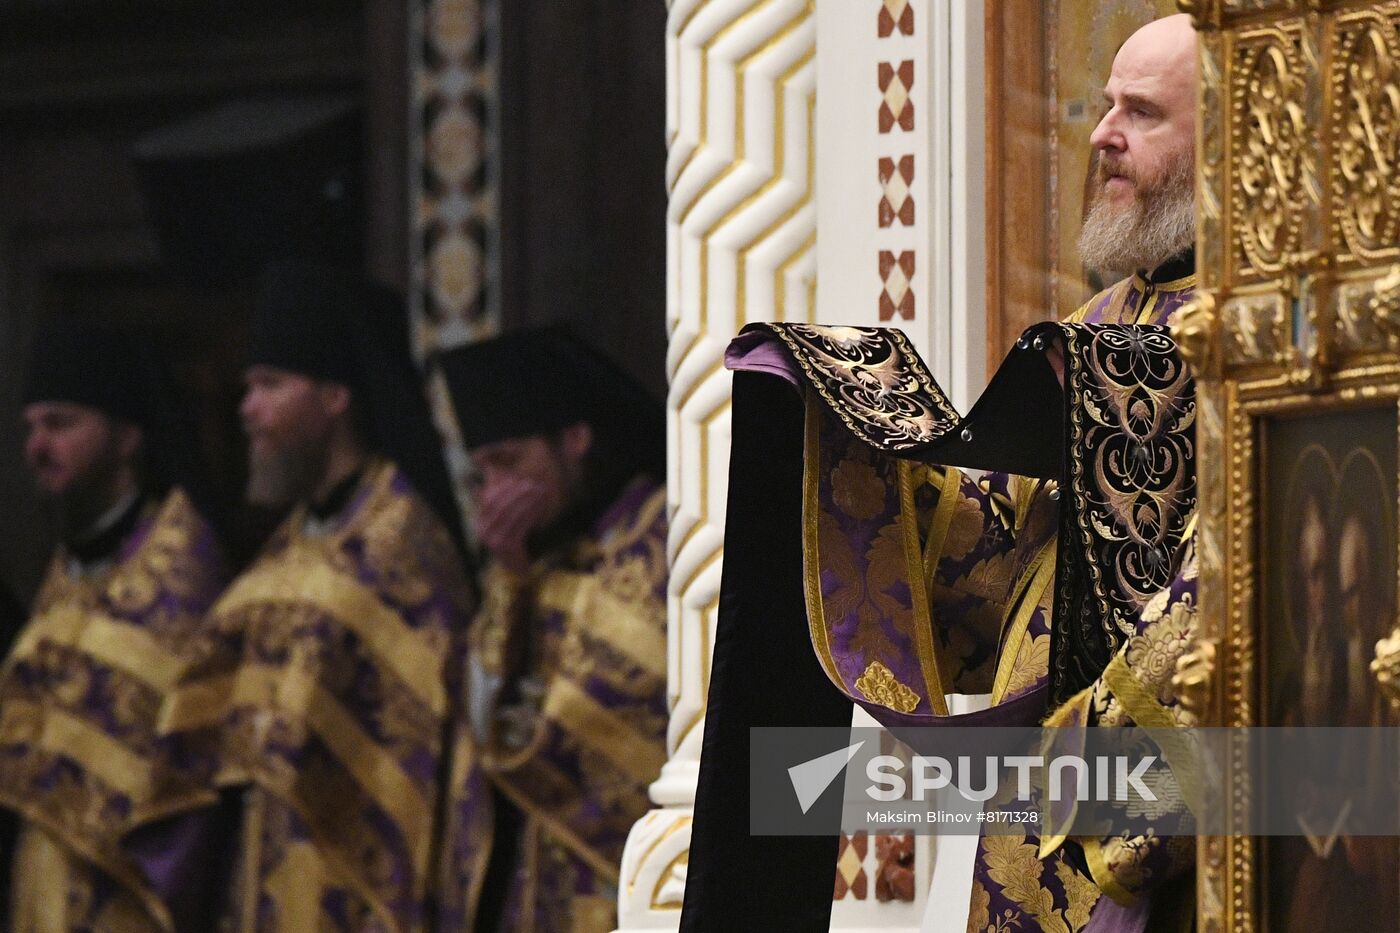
80	692
921	581
568	685
326	689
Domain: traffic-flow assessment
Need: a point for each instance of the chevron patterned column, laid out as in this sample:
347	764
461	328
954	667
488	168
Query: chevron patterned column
741	232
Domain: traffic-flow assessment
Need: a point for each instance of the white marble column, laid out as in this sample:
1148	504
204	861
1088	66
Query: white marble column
900	190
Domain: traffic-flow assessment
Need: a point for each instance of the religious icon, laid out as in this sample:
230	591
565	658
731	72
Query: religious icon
1328	557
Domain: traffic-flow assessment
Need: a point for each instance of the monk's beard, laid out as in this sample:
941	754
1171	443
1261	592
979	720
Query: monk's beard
1159	223
277	479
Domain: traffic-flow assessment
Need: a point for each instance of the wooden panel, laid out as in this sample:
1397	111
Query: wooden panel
1018	183
1046	63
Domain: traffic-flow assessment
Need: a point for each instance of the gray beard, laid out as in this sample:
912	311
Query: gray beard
1116	242
283	478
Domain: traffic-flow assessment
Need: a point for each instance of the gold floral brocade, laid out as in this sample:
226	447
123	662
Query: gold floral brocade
325	683
878	685
80	695
572	729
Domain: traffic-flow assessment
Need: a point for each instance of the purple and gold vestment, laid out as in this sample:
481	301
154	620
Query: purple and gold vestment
568	686
326	689
80	693
1066	593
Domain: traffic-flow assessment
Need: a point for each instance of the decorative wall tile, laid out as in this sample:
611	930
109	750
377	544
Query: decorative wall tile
896	109
896	14
894	872
896	200
851	877
897	294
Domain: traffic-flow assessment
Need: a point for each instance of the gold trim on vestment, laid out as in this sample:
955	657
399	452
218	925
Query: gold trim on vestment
921	619
463	762
1159	291
585	719
605	867
302	578
295	887
1031	586
949	488
255	803
1118	299
377	772
1144	708
1103	876
1026	490
121	872
337	871
641	524
595	612
120	645
1149	713
811	544
208	702
1178	285
39	904
61	733
1144	313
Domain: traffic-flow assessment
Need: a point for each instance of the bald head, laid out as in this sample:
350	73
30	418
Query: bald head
1160	57
1143	210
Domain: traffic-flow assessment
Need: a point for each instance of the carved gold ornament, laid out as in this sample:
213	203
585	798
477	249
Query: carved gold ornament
1192	681
1386	667
1368	313
1384	304
878	685
1194	330
1257	328
1366	135
1275	174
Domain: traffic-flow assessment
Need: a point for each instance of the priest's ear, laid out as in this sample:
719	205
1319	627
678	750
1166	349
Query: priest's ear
334	398
576	441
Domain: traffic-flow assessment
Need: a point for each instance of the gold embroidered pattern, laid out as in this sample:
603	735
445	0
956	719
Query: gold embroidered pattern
1015	864
323	683
873	380
79	697
878	685
304	576
857	490
1080	892
979	915
1031	665
1132	482
1153	654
